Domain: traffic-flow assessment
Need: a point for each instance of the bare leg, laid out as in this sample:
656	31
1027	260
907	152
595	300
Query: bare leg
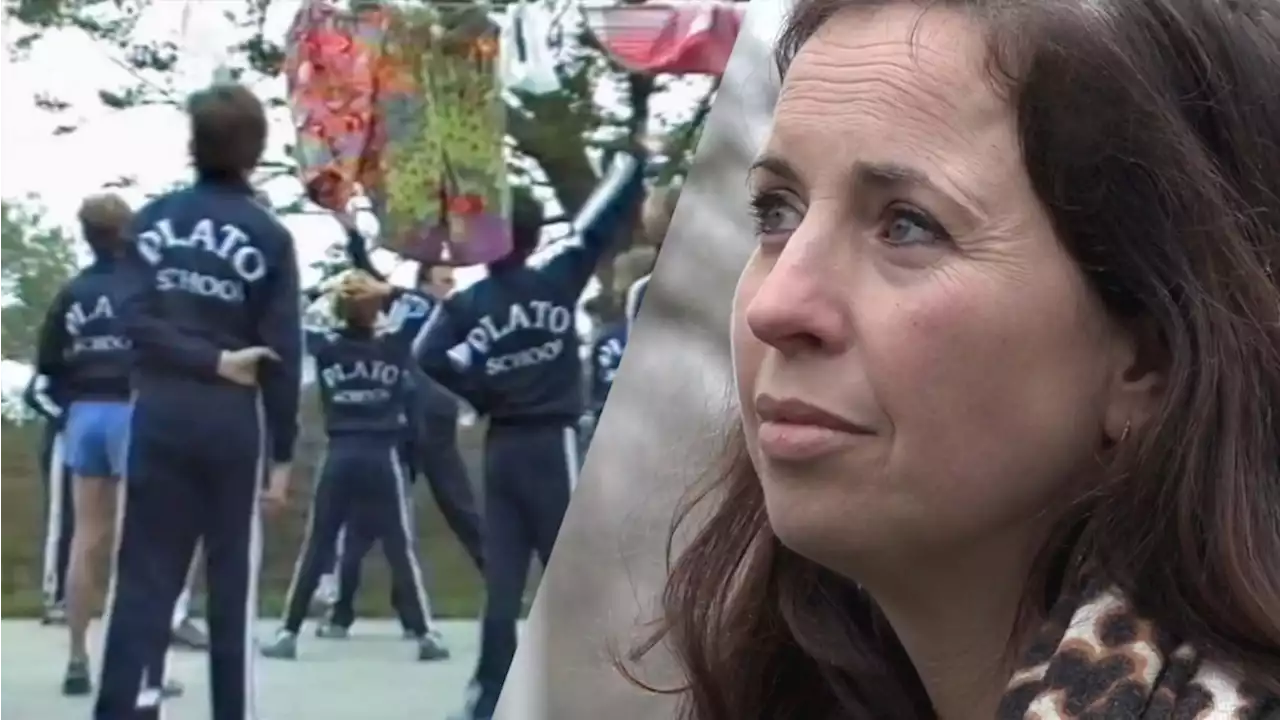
94	499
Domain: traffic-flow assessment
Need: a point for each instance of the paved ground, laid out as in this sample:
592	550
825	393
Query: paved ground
373	675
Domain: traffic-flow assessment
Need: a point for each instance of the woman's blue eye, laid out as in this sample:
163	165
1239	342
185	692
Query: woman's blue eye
907	226
773	215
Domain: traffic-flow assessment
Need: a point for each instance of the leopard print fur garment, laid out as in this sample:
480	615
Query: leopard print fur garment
1099	660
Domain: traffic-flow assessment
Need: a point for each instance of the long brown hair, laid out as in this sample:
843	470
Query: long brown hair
1151	133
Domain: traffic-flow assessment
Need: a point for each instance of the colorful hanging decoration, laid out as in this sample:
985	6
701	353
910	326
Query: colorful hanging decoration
404	106
331	59
681	38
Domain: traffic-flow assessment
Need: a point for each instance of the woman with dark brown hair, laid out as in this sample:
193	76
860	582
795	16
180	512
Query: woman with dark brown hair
1008	362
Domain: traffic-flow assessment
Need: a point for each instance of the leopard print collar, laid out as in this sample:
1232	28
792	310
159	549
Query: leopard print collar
1099	660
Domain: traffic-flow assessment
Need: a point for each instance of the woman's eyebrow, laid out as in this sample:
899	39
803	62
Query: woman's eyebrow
885	176
774	165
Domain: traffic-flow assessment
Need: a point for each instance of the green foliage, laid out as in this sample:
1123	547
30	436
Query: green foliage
38	261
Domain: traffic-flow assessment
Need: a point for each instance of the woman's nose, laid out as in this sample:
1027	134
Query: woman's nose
799	308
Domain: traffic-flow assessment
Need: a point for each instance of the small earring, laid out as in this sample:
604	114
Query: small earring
1124	434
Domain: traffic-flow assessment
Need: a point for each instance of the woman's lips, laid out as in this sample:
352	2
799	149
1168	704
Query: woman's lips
793	430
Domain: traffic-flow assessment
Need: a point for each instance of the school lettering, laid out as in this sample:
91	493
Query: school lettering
535	319
339	377
528	357
241	261
84	328
188	281
534	315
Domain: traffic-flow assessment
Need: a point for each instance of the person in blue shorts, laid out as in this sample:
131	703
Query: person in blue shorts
84	353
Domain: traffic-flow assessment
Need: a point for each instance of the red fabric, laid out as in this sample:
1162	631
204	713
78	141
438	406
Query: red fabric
679	38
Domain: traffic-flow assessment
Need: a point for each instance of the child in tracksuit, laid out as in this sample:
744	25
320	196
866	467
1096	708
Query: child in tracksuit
432	449
363	482
356	540
213	314
508	345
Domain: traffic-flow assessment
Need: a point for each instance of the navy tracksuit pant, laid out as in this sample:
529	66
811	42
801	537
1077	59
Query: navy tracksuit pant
530	471
363	485
191	476
438	459
59	516
354	547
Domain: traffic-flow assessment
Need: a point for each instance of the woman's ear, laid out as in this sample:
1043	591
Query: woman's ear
1139	378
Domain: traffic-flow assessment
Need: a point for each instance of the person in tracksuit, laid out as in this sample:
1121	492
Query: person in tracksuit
431	448
59	517
437	456
355	542
363	482
213	314
611	336
508	345
436	444
433	452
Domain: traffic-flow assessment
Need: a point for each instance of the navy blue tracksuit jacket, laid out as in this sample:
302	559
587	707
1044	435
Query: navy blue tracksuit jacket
83	350
508	345
211	270
363	483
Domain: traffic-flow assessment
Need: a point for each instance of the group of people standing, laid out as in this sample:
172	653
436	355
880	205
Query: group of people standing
171	370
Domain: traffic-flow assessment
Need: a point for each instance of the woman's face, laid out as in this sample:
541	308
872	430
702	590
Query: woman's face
919	362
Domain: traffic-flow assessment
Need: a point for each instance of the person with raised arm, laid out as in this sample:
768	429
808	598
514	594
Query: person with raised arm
363	483
508	345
